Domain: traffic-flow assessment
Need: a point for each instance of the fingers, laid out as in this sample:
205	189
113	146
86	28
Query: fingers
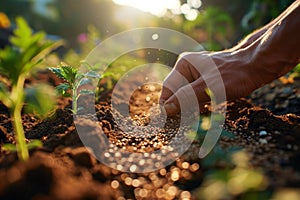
172	83
188	98
181	75
184	89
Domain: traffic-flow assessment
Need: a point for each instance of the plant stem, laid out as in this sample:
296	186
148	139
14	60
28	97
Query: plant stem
17	97
20	135
74	100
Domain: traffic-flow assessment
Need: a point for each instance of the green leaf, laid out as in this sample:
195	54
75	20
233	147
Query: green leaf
56	71
34	144
86	92
27	50
3	89
92	74
63	89
43	50
84	81
9	147
69	73
4	95
22	34
40	100
106	74
10	63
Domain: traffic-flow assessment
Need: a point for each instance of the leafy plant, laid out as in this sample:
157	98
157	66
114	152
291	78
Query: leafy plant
213	28
74	80
238	182
16	62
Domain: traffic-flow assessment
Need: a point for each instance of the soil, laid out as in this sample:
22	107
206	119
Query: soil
266	125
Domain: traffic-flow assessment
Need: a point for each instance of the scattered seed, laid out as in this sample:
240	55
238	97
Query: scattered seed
133	168
114	184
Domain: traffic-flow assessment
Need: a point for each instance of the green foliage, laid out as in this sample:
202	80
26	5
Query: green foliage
30	145
30	51
239	181
262	12
74	79
39	100
213	28
16	62
296	70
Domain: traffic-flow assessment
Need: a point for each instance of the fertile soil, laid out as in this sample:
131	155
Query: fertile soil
266	125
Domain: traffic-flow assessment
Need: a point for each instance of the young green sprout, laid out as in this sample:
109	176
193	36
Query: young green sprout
74	79
16	63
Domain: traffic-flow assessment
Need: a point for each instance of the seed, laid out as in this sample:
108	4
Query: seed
194	167
119	167
133	168
185	165
143	193
114	184
160	193
175	176
152	88
172	190
135	183
163	172
128	181
185	195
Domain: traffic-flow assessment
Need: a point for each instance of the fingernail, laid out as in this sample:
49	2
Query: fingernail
170	108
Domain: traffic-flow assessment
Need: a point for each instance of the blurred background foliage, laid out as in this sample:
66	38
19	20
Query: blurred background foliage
82	24
218	24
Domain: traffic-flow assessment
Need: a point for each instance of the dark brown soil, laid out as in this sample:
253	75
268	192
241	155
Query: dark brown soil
64	169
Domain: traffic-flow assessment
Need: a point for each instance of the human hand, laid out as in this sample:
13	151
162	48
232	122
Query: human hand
228	75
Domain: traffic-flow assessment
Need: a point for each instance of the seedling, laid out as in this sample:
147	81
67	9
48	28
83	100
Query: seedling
74	79
16	63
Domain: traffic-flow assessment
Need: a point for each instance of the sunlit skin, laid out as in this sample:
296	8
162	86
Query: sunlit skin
261	57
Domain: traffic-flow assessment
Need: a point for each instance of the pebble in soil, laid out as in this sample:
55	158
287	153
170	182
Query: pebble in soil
281	96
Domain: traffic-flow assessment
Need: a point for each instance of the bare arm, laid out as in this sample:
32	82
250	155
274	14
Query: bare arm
263	56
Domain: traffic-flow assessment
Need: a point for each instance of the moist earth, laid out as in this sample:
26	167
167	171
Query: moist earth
266	125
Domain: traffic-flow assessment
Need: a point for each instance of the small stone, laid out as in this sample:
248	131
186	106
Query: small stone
269	97
263	133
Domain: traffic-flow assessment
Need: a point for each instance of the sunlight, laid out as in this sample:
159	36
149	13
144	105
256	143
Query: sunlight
159	7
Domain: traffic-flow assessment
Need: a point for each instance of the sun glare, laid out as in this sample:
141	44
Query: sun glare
160	7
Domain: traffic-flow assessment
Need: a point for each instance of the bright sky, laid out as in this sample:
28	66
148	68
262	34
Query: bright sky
160	7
